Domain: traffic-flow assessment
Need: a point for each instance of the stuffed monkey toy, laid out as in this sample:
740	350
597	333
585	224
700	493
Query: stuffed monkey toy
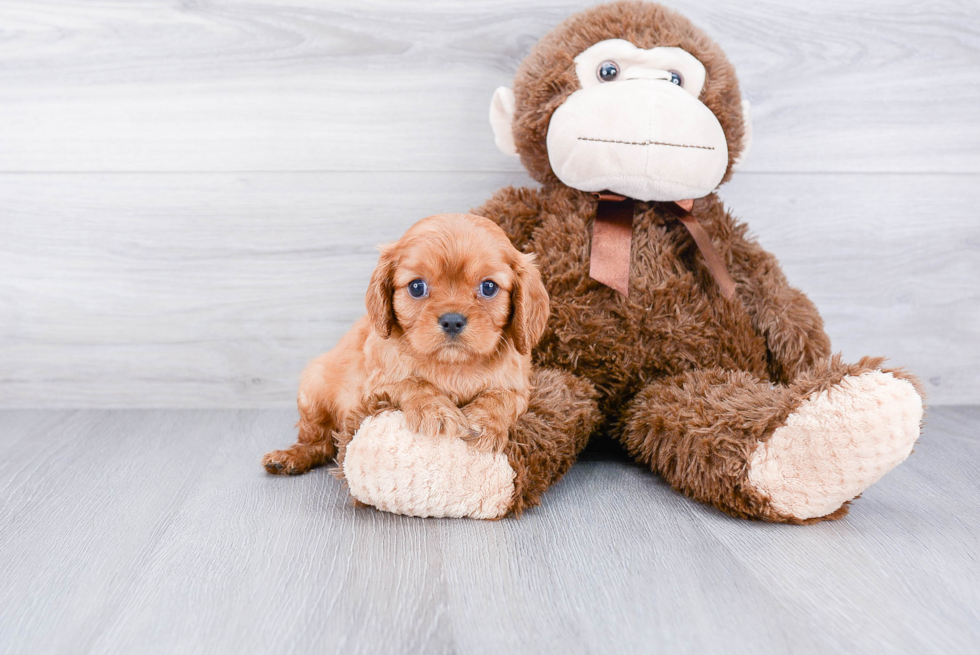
670	330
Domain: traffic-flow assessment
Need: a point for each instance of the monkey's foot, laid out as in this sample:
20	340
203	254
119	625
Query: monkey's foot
397	470
837	444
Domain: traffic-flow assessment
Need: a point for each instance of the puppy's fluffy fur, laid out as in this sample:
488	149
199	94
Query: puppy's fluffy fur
473	385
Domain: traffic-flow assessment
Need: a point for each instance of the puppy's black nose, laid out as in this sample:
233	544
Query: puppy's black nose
452	324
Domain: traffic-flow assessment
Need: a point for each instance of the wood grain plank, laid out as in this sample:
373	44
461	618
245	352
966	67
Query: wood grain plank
621	564
214	290
398	85
864	576
257	564
84	499
157	531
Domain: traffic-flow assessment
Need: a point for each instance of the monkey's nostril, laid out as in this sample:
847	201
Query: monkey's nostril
452	324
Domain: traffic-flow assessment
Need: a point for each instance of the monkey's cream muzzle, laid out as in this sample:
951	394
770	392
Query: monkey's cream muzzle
641	136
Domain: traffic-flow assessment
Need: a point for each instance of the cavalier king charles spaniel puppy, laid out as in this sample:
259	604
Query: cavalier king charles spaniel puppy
453	313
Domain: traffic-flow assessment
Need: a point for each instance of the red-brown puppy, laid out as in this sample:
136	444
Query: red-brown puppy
453	313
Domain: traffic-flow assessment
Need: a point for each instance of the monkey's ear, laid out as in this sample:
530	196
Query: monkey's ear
378	299
501	118
529	303
746	134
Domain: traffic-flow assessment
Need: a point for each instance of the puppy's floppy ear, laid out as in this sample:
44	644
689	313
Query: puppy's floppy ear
380	308
530	304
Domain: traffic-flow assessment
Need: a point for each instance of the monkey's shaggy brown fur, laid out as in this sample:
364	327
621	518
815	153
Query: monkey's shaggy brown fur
689	382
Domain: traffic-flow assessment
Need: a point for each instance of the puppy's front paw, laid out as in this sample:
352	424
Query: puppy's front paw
436	417
486	433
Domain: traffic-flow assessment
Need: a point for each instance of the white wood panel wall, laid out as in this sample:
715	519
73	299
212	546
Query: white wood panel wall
190	192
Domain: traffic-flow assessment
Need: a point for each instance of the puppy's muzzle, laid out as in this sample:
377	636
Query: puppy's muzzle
452	324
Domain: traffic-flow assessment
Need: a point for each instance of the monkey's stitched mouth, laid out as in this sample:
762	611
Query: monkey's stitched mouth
646	143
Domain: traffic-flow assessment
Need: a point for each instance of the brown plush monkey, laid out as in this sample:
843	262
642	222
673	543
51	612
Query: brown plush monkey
729	393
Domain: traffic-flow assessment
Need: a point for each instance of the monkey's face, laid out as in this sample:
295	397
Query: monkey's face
628	97
636	126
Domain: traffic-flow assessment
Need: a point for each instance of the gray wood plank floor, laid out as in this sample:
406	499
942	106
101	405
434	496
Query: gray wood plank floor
157	532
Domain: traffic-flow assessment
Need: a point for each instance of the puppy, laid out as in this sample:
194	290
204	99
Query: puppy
453	313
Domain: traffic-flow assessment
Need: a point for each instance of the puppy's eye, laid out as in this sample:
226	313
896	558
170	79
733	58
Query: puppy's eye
676	78
488	288
607	71
418	289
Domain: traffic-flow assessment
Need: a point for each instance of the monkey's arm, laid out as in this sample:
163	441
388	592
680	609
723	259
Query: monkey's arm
396	469
517	211
788	319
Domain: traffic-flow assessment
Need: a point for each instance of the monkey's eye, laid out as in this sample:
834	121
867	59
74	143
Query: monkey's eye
676	78
418	289
607	71
488	288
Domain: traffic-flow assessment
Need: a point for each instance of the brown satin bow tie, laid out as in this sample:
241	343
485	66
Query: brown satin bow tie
612	236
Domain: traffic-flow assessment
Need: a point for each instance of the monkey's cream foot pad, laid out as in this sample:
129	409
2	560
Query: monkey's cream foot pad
389	466
837	444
